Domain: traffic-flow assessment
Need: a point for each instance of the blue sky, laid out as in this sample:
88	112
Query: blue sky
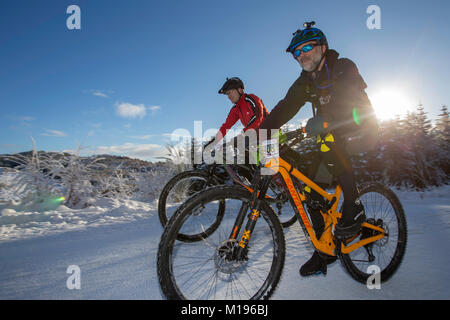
140	69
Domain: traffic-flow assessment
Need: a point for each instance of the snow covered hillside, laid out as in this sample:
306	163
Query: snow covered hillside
114	243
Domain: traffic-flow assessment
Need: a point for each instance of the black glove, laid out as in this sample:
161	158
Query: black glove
315	126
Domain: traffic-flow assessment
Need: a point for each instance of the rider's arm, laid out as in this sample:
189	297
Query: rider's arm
232	118
257	106
287	108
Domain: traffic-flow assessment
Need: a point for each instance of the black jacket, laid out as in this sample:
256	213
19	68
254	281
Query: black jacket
337	90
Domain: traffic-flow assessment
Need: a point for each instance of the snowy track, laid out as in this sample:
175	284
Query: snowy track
118	260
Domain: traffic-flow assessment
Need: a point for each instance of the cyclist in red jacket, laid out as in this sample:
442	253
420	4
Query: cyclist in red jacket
247	107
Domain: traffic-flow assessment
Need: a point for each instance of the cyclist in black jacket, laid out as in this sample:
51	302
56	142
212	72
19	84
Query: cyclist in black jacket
336	90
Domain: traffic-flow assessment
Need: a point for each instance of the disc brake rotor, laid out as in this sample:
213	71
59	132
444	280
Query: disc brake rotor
225	257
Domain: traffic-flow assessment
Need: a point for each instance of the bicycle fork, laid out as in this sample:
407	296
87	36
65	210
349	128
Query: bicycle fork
255	205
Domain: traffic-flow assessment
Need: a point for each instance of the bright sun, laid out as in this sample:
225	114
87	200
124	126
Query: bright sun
388	103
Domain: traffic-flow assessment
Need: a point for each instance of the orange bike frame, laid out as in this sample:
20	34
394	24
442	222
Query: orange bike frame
326	243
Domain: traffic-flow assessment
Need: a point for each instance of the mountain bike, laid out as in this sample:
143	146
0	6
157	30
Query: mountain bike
183	185
244	257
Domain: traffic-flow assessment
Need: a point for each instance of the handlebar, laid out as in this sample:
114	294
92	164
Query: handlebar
287	139
291	138
296	134
294	137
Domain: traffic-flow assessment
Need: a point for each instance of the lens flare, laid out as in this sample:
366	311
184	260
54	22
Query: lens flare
58	200
356	116
389	103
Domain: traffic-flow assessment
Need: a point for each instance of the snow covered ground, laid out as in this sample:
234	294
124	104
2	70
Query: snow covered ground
114	243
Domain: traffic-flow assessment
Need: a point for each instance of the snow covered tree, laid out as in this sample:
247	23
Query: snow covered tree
421	151
388	162
442	139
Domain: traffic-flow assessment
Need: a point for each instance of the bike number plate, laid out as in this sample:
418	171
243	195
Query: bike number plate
270	149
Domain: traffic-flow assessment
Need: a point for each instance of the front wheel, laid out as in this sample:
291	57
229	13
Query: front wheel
383	209
209	269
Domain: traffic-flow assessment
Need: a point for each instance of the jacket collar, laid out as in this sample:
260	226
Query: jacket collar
331	57
241	99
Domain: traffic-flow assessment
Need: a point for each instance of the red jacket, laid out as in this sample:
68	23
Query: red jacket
249	109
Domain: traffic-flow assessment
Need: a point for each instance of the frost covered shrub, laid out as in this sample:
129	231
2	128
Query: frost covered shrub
32	184
54	177
114	183
178	157
86	179
148	185
67	178
45	176
75	177
78	181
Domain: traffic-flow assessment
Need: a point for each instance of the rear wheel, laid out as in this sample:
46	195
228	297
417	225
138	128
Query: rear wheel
178	190
281	205
382	208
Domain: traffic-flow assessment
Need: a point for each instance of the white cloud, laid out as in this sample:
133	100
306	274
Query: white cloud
53	133
178	134
128	110
154	109
133	150
99	93
144	137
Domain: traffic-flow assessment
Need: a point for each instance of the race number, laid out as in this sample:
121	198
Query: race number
270	150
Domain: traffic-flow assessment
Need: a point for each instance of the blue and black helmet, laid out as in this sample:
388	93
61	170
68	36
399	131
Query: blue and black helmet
305	35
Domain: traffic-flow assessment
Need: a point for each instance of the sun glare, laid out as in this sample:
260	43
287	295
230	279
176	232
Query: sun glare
389	103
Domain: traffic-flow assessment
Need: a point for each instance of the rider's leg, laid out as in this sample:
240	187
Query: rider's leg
298	161
310	164
339	164
319	261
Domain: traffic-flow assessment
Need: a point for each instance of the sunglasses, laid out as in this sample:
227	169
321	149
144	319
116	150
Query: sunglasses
305	49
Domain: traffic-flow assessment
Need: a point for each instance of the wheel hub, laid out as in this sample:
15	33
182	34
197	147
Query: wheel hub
383	241
367	232
225	257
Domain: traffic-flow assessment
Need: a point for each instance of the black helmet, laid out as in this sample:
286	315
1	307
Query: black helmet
307	34
231	83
